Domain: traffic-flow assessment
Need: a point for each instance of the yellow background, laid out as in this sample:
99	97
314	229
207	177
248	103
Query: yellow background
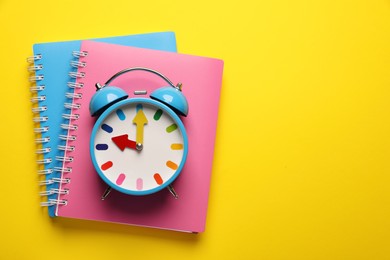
301	167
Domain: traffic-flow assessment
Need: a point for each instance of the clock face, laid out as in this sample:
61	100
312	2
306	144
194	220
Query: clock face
138	146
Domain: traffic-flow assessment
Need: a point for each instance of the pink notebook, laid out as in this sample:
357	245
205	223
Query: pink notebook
201	78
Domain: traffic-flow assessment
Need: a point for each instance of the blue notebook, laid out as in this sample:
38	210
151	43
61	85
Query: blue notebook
52	64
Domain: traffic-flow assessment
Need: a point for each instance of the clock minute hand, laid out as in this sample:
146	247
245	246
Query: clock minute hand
123	142
140	120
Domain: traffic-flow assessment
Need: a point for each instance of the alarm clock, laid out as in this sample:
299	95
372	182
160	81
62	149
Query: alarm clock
138	145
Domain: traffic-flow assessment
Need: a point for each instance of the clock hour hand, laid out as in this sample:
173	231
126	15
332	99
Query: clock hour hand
123	142
140	120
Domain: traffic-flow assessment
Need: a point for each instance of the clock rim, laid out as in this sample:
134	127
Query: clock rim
149	101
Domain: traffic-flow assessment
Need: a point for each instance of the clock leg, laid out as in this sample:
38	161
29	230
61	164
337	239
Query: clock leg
106	192
172	191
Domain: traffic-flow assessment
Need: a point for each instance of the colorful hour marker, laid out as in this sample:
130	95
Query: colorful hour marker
177	146
171	128
138	107
158	179
107	128
158	115
139	184
120	179
120	114
106	165
172	165
101	147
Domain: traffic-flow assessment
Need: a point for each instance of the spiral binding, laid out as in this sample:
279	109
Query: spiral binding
38	110
69	126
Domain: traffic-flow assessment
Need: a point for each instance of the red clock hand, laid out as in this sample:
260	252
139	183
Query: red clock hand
122	141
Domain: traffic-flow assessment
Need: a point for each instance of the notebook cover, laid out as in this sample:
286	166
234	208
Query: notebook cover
56	58
201	78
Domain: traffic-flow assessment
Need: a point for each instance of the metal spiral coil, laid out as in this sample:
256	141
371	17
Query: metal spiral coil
75	85
73	95
39	109
31	59
76	75
43	150
60	180
41	129
54	191
40	119
64	158
46	182
45	172
44	161
36	78
63	169
34	68
53	202
71	116
38	99
68	137
42	140
78	64
72	106
69	127
66	148
79	54
37	88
